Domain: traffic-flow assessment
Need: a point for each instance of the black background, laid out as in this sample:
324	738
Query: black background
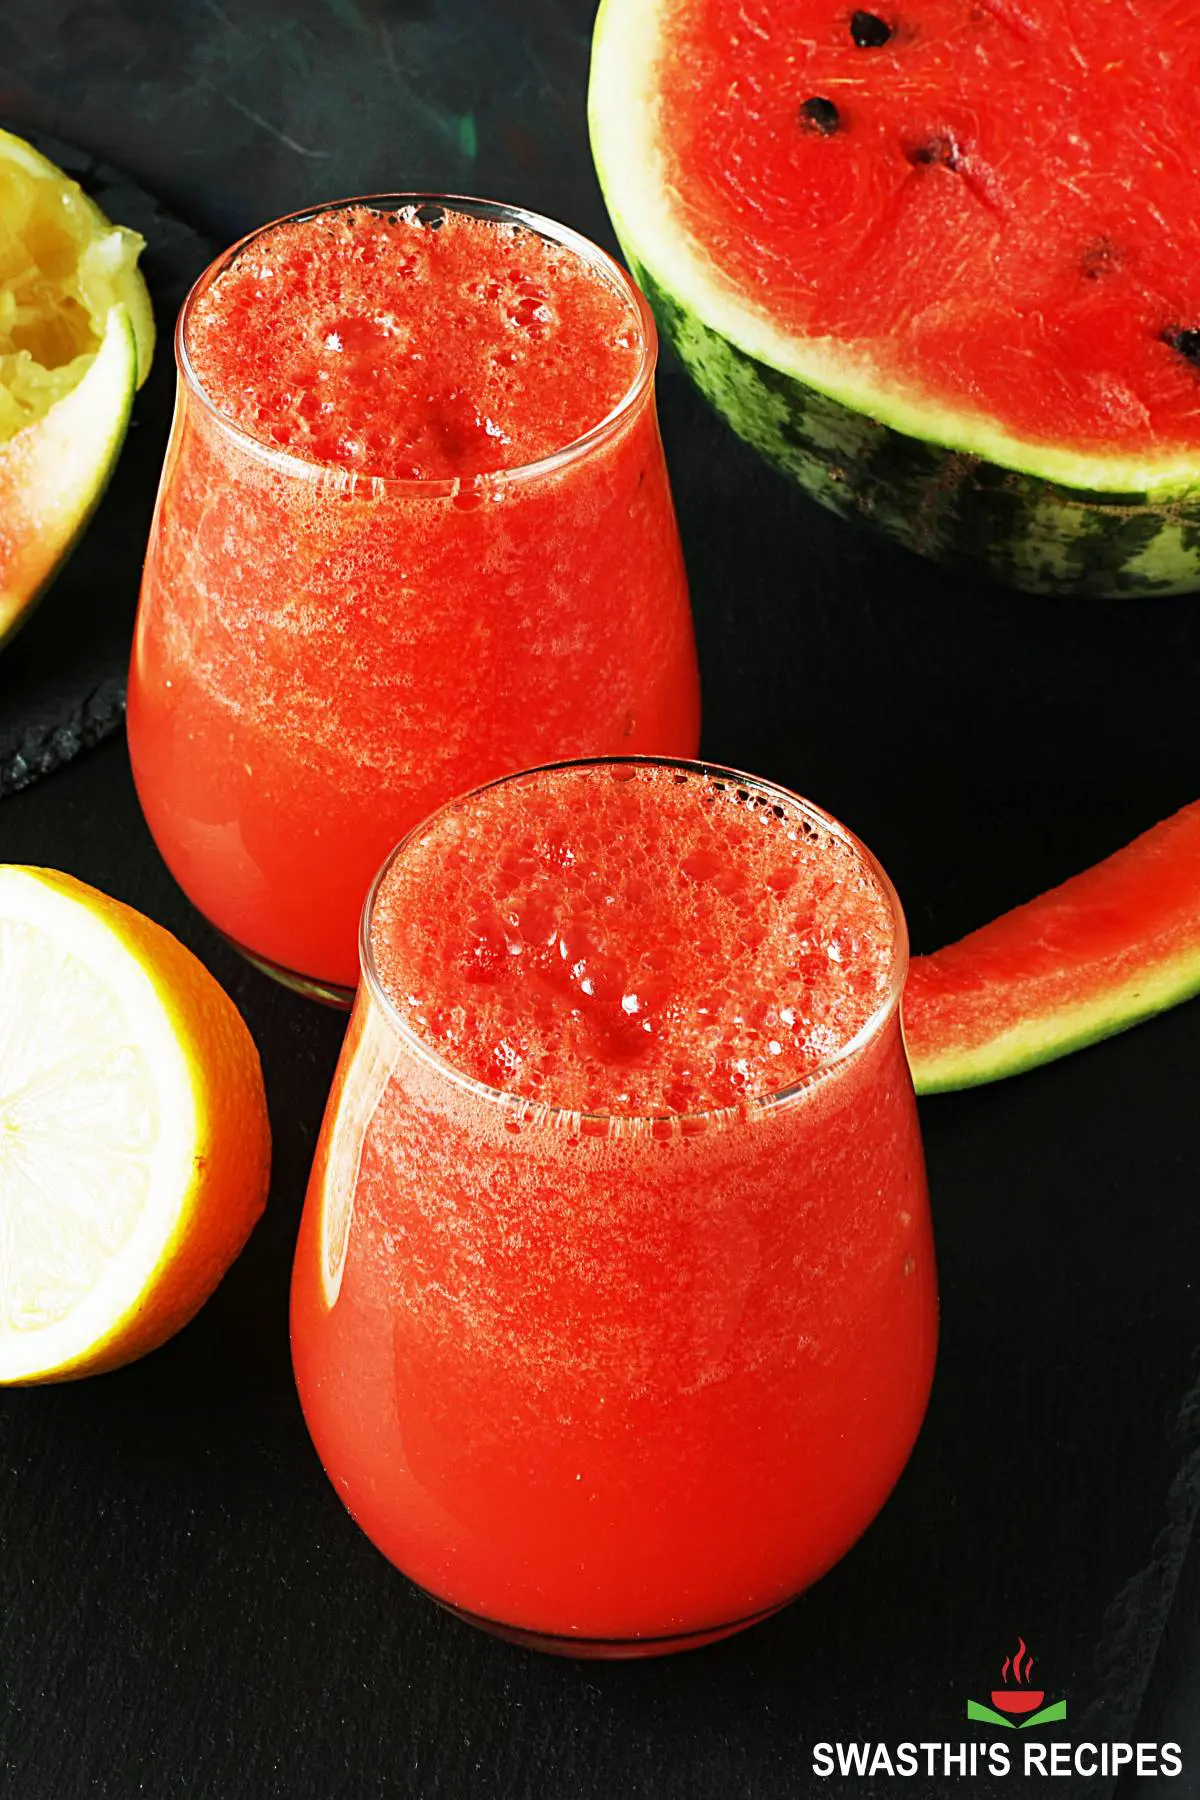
185	1611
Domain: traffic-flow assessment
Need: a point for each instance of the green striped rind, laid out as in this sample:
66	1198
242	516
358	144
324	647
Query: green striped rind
959	509
949	1066
950	486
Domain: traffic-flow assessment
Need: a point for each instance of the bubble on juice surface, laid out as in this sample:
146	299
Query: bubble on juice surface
633	940
380	343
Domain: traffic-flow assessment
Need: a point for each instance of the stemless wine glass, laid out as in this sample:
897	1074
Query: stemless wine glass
322	657
615	1386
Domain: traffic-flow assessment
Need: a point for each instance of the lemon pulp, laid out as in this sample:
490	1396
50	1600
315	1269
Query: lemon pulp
63	267
78	1128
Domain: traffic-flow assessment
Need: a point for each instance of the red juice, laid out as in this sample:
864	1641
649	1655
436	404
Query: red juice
614	1307
414	531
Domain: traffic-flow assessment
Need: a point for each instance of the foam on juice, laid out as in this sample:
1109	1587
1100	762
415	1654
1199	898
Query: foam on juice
417	343
633	940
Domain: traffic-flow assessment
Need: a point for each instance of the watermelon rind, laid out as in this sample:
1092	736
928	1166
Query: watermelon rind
943	1061
951	485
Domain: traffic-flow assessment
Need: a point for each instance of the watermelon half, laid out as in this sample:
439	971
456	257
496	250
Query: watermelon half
940	262
1105	950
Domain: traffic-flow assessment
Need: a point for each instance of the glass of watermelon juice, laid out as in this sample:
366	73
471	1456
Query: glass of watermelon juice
414	531
614	1304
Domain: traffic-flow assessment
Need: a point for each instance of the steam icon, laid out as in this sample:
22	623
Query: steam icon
1021	1698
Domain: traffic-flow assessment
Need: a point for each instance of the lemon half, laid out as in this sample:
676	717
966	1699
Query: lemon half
134	1142
76	340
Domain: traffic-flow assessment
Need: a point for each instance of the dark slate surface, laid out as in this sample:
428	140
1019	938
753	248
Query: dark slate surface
187	1613
62	681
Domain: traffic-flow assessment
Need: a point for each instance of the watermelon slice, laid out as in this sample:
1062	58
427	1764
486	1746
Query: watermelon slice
941	262
1105	950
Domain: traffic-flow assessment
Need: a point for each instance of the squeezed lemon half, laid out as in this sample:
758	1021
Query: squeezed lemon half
76	340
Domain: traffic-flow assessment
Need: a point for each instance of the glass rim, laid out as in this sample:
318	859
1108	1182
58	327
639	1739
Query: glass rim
548	1110
436	486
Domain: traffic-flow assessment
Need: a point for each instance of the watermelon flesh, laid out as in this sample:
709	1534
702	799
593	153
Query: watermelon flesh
1108	948
994	208
940	263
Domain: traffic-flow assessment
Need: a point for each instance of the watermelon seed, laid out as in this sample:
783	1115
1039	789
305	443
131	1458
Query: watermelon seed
1186	340
432	217
868	30
821	115
1100	257
938	152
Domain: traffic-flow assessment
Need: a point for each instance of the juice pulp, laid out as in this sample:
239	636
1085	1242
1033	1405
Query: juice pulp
614	1306
365	588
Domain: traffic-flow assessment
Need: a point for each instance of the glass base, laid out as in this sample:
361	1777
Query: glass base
587	1649
328	992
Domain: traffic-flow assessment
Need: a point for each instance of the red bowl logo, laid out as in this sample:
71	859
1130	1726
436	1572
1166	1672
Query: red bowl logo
1017	1700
